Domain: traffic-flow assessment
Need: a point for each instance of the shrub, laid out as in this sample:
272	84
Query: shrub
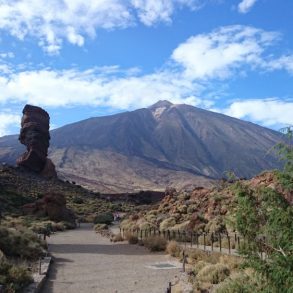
167	223
155	243
104	218
20	243
77	200
118	238
173	248
132	239
99	227
242	282
213	274
14	277
199	266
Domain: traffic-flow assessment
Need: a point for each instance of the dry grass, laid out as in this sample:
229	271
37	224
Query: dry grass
173	248
155	243
213	273
117	238
132	239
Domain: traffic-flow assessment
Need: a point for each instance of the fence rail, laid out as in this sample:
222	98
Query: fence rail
194	239
220	242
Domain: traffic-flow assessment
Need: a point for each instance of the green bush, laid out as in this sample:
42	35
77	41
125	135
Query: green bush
14	278
77	200
99	227
20	243
241	282
104	218
213	274
155	243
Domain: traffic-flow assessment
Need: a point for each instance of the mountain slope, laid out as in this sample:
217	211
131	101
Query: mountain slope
155	147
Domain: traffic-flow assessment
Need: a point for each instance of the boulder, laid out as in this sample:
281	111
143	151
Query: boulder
52	205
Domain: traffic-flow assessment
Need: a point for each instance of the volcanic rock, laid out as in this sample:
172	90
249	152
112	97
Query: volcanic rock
34	134
53	206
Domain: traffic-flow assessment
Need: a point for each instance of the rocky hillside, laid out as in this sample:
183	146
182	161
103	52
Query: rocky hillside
151	148
202	209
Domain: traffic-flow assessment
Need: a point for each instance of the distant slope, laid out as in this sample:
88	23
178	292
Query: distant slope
156	147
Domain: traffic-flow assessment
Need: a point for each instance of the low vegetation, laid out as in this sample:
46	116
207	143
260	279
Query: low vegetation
155	243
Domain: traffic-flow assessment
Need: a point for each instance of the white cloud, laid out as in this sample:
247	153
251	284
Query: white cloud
284	62
152	11
7	55
190	76
245	5
72	87
194	63
218	53
52	22
6	121
268	112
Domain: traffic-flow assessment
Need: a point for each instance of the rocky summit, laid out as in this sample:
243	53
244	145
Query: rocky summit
151	148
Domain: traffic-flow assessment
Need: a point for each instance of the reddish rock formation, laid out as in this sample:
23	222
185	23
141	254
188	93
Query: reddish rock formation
53	206
34	134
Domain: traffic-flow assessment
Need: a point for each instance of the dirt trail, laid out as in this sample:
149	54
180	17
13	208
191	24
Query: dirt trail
85	262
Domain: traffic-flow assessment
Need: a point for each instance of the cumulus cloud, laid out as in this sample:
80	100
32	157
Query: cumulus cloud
72	87
190	73
6	121
52	22
188	77
227	48
284	62
152	11
245	5
269	112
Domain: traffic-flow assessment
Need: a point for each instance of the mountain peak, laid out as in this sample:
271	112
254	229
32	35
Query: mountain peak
159	107
161	104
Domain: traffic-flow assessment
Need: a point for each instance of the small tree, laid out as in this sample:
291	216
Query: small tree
265	219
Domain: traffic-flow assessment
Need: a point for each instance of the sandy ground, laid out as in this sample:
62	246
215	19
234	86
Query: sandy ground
86	262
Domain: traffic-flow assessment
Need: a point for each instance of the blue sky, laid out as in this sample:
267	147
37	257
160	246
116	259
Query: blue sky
79	59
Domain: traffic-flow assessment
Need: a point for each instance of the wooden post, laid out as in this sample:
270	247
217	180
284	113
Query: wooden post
169	288
220	242
164	233
238	241
184	261
141	234
204	241
229	244
184	233
40	266
191	239
169	235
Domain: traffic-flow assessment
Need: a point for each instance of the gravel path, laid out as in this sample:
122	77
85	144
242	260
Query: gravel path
85	262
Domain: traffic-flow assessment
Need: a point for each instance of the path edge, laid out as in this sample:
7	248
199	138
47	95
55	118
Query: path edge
39	279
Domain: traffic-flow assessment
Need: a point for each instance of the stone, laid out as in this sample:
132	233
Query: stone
53	206
34	134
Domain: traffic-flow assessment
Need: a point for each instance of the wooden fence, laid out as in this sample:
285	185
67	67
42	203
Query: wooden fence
206	241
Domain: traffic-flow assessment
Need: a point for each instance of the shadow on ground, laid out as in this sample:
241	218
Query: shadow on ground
113	249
